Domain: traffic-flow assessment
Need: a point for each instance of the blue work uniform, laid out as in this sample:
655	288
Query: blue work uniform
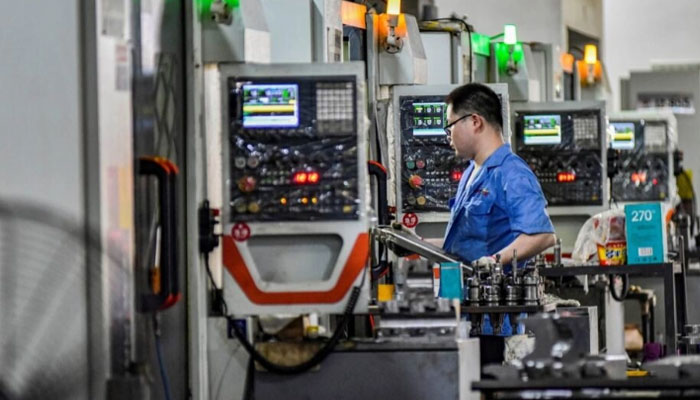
502	201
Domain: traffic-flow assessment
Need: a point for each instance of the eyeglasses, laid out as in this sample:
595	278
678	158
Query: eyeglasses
448	128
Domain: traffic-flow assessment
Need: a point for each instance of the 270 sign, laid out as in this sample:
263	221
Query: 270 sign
642	216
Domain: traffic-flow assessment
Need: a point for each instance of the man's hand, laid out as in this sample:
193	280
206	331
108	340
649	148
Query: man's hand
485	262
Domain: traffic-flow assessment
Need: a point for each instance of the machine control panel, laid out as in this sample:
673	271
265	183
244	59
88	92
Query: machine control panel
430	171
293	148
565	150
643	170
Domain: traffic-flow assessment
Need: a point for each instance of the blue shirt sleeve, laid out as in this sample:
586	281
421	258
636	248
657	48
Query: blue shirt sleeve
525	202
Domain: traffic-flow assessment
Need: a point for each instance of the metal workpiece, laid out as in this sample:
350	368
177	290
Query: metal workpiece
490	286
557	253
513	292
561	350
428	329
474	290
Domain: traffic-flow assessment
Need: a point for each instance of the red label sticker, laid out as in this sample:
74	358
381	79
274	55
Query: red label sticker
410	220
240	232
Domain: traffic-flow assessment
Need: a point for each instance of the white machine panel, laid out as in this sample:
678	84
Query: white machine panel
294	192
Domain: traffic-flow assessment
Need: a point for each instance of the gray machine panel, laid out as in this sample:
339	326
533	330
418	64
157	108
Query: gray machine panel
565	145
293	146
645	141
422	152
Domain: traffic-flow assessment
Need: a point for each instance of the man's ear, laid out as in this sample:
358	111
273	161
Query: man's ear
478	123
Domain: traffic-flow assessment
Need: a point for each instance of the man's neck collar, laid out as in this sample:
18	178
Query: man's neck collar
490	147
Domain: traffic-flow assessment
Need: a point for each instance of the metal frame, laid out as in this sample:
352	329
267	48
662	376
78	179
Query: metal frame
666	271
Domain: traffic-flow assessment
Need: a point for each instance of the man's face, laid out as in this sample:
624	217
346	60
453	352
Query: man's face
462	137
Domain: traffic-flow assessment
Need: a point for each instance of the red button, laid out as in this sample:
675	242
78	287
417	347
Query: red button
415	181
247	184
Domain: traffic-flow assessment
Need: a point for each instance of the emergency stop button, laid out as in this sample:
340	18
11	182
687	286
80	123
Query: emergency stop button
247	184
415	181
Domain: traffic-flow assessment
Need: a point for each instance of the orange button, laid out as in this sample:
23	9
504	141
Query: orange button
415	181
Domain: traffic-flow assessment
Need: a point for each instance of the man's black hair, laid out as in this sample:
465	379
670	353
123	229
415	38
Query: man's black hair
479	99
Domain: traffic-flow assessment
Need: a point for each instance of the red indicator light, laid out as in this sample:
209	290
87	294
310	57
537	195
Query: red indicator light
456	175
566	177
639	177
655	181
313	177
306	178
300	178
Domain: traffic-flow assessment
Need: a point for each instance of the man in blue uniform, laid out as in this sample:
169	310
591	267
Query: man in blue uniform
499	205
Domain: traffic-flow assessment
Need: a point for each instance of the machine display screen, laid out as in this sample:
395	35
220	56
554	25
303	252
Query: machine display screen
542	129
429	119
623	136
270	106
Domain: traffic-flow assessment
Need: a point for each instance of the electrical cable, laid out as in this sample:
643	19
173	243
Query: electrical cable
159	353
625	287
469	34
317	358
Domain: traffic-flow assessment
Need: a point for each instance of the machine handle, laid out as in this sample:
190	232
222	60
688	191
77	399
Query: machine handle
166	291
379	171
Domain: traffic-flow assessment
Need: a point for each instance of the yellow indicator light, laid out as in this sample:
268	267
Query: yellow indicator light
347	209
283	201
393	7
590	54
314	200
304	200
353	14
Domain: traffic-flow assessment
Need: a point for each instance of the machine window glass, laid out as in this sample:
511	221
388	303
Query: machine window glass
623	136
270	106
542	129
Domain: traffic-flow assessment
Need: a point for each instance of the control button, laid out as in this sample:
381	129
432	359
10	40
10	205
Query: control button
420	164
239	162
253	207
253	161
240	206
411	200
410	164
247	184
421	200
415	181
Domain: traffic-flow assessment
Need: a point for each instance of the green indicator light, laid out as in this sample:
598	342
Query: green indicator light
503	53
481	44
204	6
